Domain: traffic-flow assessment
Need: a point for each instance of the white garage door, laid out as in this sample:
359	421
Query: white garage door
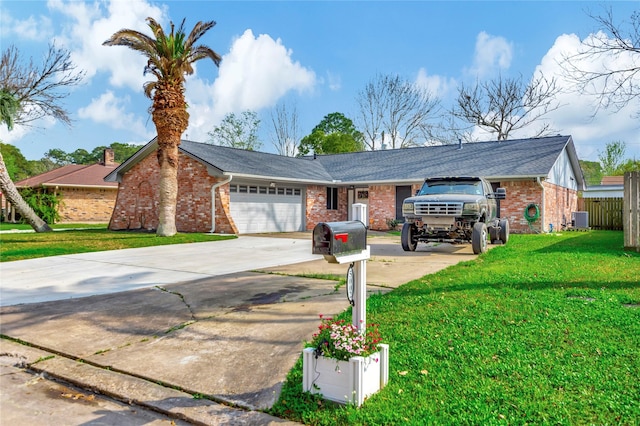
257	208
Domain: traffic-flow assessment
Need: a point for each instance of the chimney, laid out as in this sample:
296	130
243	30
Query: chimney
109	157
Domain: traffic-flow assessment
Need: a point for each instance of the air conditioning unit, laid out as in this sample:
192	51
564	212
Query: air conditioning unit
580	219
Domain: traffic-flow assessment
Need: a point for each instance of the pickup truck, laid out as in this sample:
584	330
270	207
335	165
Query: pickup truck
454	210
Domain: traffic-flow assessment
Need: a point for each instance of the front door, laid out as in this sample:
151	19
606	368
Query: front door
402	193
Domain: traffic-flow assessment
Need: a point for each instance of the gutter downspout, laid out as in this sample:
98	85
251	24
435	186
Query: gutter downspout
542	210
213	202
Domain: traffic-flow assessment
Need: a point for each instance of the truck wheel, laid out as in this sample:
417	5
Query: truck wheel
406	238
494	234
479	238
504	230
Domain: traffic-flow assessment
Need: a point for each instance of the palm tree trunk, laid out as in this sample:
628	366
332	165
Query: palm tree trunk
168	188
10	191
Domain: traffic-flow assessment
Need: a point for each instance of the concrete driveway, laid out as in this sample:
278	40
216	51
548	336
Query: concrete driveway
215	319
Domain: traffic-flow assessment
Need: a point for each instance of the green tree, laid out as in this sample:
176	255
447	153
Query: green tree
592	172
170	59
631	165
82	156
612	157
237	131
334	134
27	93
121	151
17	165
58	157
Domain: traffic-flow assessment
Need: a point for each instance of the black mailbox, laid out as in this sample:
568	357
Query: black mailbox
336	239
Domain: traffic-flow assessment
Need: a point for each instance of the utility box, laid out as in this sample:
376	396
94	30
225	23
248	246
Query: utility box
580	220
339	239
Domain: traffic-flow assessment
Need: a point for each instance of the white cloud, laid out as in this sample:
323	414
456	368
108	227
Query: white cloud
578	115
14	135
90	25
35	28
110	110
334	80
439	86
255	73
492	53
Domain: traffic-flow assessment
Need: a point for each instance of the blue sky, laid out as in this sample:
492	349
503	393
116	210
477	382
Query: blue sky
314	55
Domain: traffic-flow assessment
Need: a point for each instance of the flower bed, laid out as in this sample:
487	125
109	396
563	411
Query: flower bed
344	365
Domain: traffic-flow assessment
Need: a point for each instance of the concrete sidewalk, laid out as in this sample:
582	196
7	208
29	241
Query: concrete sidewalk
232	337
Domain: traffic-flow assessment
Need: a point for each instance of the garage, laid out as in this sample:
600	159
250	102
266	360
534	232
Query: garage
260	208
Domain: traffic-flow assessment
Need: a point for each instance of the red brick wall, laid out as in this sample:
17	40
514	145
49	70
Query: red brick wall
559	203
519	195
137	201
86	204
316	206
382	206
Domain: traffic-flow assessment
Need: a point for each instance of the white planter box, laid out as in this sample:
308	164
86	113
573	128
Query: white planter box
345	381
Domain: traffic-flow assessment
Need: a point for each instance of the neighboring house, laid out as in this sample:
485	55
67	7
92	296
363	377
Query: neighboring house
260	192
85	196
610	187
603	204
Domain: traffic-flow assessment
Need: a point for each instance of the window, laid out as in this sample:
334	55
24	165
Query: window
332	198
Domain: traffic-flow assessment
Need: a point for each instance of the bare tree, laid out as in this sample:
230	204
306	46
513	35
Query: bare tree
502	106
237	131
396	111
286	131
39	89
615	83
30	92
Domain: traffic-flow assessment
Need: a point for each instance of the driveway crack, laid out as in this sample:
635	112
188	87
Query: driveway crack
182	298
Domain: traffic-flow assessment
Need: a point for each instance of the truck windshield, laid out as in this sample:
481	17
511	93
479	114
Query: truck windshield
449	187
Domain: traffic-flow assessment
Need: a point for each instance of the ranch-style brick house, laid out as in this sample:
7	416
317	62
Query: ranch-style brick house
227	190
84	194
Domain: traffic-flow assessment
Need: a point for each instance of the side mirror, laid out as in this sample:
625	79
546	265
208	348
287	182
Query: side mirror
500	194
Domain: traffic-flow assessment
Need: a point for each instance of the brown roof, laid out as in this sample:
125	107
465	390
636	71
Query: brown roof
72	175
612	180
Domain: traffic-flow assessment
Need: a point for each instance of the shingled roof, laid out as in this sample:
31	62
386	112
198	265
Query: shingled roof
518	158
72	175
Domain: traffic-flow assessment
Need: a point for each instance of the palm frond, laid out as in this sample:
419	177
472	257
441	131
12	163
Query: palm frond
202	52
9	107
134	40
198	31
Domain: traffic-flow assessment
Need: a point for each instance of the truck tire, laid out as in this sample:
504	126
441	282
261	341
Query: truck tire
494	234
479	238
504	231
406	238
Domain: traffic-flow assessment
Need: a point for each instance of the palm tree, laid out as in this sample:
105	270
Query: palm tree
170	59
9	108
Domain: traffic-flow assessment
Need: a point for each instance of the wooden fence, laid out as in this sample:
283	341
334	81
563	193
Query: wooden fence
631	211
604	213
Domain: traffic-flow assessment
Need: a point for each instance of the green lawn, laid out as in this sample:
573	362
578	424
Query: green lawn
7	226
544	330
19	246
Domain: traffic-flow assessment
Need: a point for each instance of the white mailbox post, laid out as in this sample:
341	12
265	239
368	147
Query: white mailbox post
345	243
359	311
